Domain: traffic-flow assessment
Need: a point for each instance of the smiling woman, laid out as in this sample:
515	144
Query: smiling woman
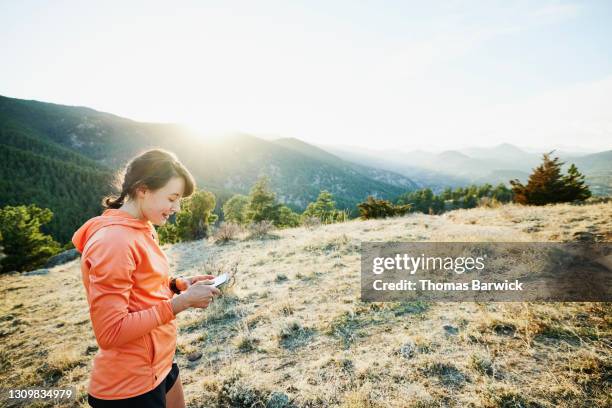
161	203
156	179
130	294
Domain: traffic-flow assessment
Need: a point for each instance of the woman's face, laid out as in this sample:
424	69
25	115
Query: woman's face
157	206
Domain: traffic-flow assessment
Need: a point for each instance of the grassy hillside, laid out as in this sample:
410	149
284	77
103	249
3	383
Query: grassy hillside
292	328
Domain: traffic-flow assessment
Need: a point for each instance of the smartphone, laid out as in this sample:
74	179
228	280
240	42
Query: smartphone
220	280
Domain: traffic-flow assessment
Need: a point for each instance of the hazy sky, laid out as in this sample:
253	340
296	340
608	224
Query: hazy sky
379	73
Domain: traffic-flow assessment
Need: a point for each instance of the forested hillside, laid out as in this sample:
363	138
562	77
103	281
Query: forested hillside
63	158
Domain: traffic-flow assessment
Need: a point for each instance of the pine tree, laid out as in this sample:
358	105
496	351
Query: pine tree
470	201
234	209
168	233
485	190
287	217
262	203
447	194
545	184
25	246
324	208
502	193
373	208
201	206
575	188
424	201
193	221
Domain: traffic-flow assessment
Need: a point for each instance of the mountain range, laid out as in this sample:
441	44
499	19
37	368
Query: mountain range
478	165
65	157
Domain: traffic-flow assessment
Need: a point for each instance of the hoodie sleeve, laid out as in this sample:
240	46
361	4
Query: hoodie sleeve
111	265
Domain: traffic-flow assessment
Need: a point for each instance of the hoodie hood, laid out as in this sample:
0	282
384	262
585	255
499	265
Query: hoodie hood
110	216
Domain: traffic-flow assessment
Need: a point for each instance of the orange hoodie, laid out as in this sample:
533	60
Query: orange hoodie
126	279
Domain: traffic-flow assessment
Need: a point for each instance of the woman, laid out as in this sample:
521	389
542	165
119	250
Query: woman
131	296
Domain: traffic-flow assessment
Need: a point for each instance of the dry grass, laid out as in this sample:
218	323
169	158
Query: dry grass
293	332
226	232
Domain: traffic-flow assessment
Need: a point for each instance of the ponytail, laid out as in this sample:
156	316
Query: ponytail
114	201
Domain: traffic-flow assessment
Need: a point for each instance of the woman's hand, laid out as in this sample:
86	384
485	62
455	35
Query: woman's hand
196	292
200	294
183	284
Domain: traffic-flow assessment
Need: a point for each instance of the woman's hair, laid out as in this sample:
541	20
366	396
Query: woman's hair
151	169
